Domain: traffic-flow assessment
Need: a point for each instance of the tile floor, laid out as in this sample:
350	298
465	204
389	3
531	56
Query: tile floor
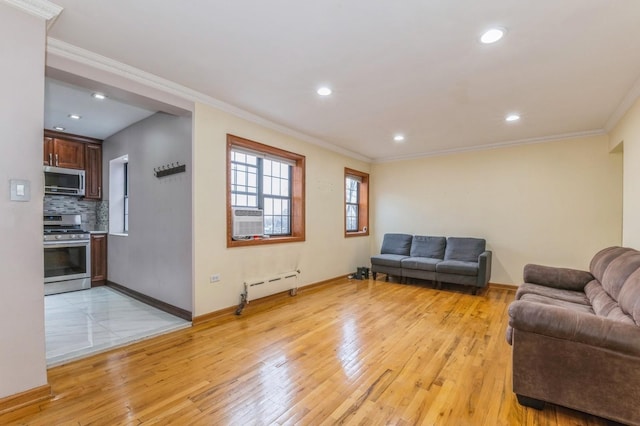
85	322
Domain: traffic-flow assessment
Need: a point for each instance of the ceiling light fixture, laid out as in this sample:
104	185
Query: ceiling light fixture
324	91
99	96
398	138
512	117
492	35
58	128
75	116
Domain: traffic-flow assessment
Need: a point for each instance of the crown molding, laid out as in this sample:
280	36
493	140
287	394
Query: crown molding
85	57
40	8
574	135
627	102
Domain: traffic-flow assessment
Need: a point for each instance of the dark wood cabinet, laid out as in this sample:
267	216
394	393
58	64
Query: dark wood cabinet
93	171
98	259
63	153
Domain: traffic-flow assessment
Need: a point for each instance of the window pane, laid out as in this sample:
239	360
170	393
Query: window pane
268	206
284	187
267	167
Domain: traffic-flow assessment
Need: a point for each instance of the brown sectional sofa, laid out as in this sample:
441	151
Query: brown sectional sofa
576	336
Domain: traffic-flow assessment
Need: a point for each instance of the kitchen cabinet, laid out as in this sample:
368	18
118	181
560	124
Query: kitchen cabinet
93	171
63	153
98	259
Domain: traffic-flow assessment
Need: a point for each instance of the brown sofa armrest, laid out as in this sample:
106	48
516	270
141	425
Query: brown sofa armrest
562	278
564	323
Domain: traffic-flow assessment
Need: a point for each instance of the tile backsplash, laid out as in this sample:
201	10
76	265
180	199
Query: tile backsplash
95	214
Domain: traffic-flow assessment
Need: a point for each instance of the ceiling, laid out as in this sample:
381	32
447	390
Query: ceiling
414	67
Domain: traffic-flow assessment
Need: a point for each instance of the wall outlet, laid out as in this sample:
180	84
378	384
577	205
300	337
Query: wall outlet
214	278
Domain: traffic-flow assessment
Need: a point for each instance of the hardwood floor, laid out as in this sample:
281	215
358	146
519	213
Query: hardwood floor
349	352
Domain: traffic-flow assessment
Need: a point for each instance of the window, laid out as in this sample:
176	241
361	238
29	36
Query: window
356	219
269	179
119	174
126	197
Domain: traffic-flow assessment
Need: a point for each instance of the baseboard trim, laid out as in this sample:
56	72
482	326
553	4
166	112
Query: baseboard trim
511	287
226	312
23	399
159	304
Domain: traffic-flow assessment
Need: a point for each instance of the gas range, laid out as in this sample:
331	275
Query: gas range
64	227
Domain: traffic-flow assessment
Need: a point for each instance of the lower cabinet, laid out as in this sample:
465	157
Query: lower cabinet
98	259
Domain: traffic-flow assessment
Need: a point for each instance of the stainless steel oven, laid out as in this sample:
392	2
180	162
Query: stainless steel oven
67	255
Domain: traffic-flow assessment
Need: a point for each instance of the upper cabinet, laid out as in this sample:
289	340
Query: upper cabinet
76	152
93	174
63	153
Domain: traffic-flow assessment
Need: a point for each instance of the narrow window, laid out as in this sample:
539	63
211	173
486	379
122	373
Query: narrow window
356	203
126	197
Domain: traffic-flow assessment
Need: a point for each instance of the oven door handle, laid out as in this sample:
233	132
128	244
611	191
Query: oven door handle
76	243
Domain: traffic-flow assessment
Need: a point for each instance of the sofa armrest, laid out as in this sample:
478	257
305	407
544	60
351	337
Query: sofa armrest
484	268
562	278
567	324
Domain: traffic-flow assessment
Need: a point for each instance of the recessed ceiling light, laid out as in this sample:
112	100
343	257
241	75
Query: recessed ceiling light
99	96
58	128
398	138
75	116
492	35
512	117
324	91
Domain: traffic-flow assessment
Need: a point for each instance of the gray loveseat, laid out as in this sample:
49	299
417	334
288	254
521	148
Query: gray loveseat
451	260
576	336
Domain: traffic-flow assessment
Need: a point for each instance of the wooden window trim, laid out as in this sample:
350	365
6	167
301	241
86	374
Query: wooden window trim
363	204
297	193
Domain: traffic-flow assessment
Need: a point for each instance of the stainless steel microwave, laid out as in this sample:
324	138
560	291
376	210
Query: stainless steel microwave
61	181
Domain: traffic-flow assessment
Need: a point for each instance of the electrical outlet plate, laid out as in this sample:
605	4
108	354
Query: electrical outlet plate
214	278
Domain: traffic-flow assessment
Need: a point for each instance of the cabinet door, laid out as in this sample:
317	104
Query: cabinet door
68	154
47	157
98	259
93	171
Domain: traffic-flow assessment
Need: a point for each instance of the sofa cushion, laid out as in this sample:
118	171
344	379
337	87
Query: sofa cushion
464	249
388	260
431	247
556	293
557	302
617	272
601	260
421	263
396	244
629	298
457	267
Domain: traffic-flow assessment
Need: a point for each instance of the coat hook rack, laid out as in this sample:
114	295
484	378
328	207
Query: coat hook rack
169	169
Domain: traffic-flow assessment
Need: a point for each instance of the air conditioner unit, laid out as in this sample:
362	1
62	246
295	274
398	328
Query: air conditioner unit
247	222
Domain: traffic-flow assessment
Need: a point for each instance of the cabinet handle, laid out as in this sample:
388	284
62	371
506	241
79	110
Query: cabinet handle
99	192
50	159
56	159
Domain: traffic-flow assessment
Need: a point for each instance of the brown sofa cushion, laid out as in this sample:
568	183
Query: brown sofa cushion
629	298
555	293
618	271
601	260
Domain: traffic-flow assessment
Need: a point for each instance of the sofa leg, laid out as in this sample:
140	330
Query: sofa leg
536	404
375	274
386	278
474	291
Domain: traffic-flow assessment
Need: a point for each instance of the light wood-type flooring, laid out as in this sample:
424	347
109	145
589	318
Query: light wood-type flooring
348	352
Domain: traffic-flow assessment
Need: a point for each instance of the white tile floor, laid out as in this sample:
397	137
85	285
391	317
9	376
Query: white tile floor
85	322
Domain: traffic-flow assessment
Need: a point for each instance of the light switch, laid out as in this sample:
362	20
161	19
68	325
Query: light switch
20	190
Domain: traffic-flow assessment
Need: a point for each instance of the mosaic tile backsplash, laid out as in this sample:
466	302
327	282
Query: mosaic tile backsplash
95	214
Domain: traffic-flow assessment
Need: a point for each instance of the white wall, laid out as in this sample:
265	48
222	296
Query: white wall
22	350
554	203
627	133
155	258
325	254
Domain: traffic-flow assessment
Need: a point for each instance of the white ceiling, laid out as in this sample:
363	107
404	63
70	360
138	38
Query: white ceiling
414	66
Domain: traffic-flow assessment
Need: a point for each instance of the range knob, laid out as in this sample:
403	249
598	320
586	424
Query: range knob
73	236
58	237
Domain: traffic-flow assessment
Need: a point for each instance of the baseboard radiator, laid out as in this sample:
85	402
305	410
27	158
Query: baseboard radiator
263	287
